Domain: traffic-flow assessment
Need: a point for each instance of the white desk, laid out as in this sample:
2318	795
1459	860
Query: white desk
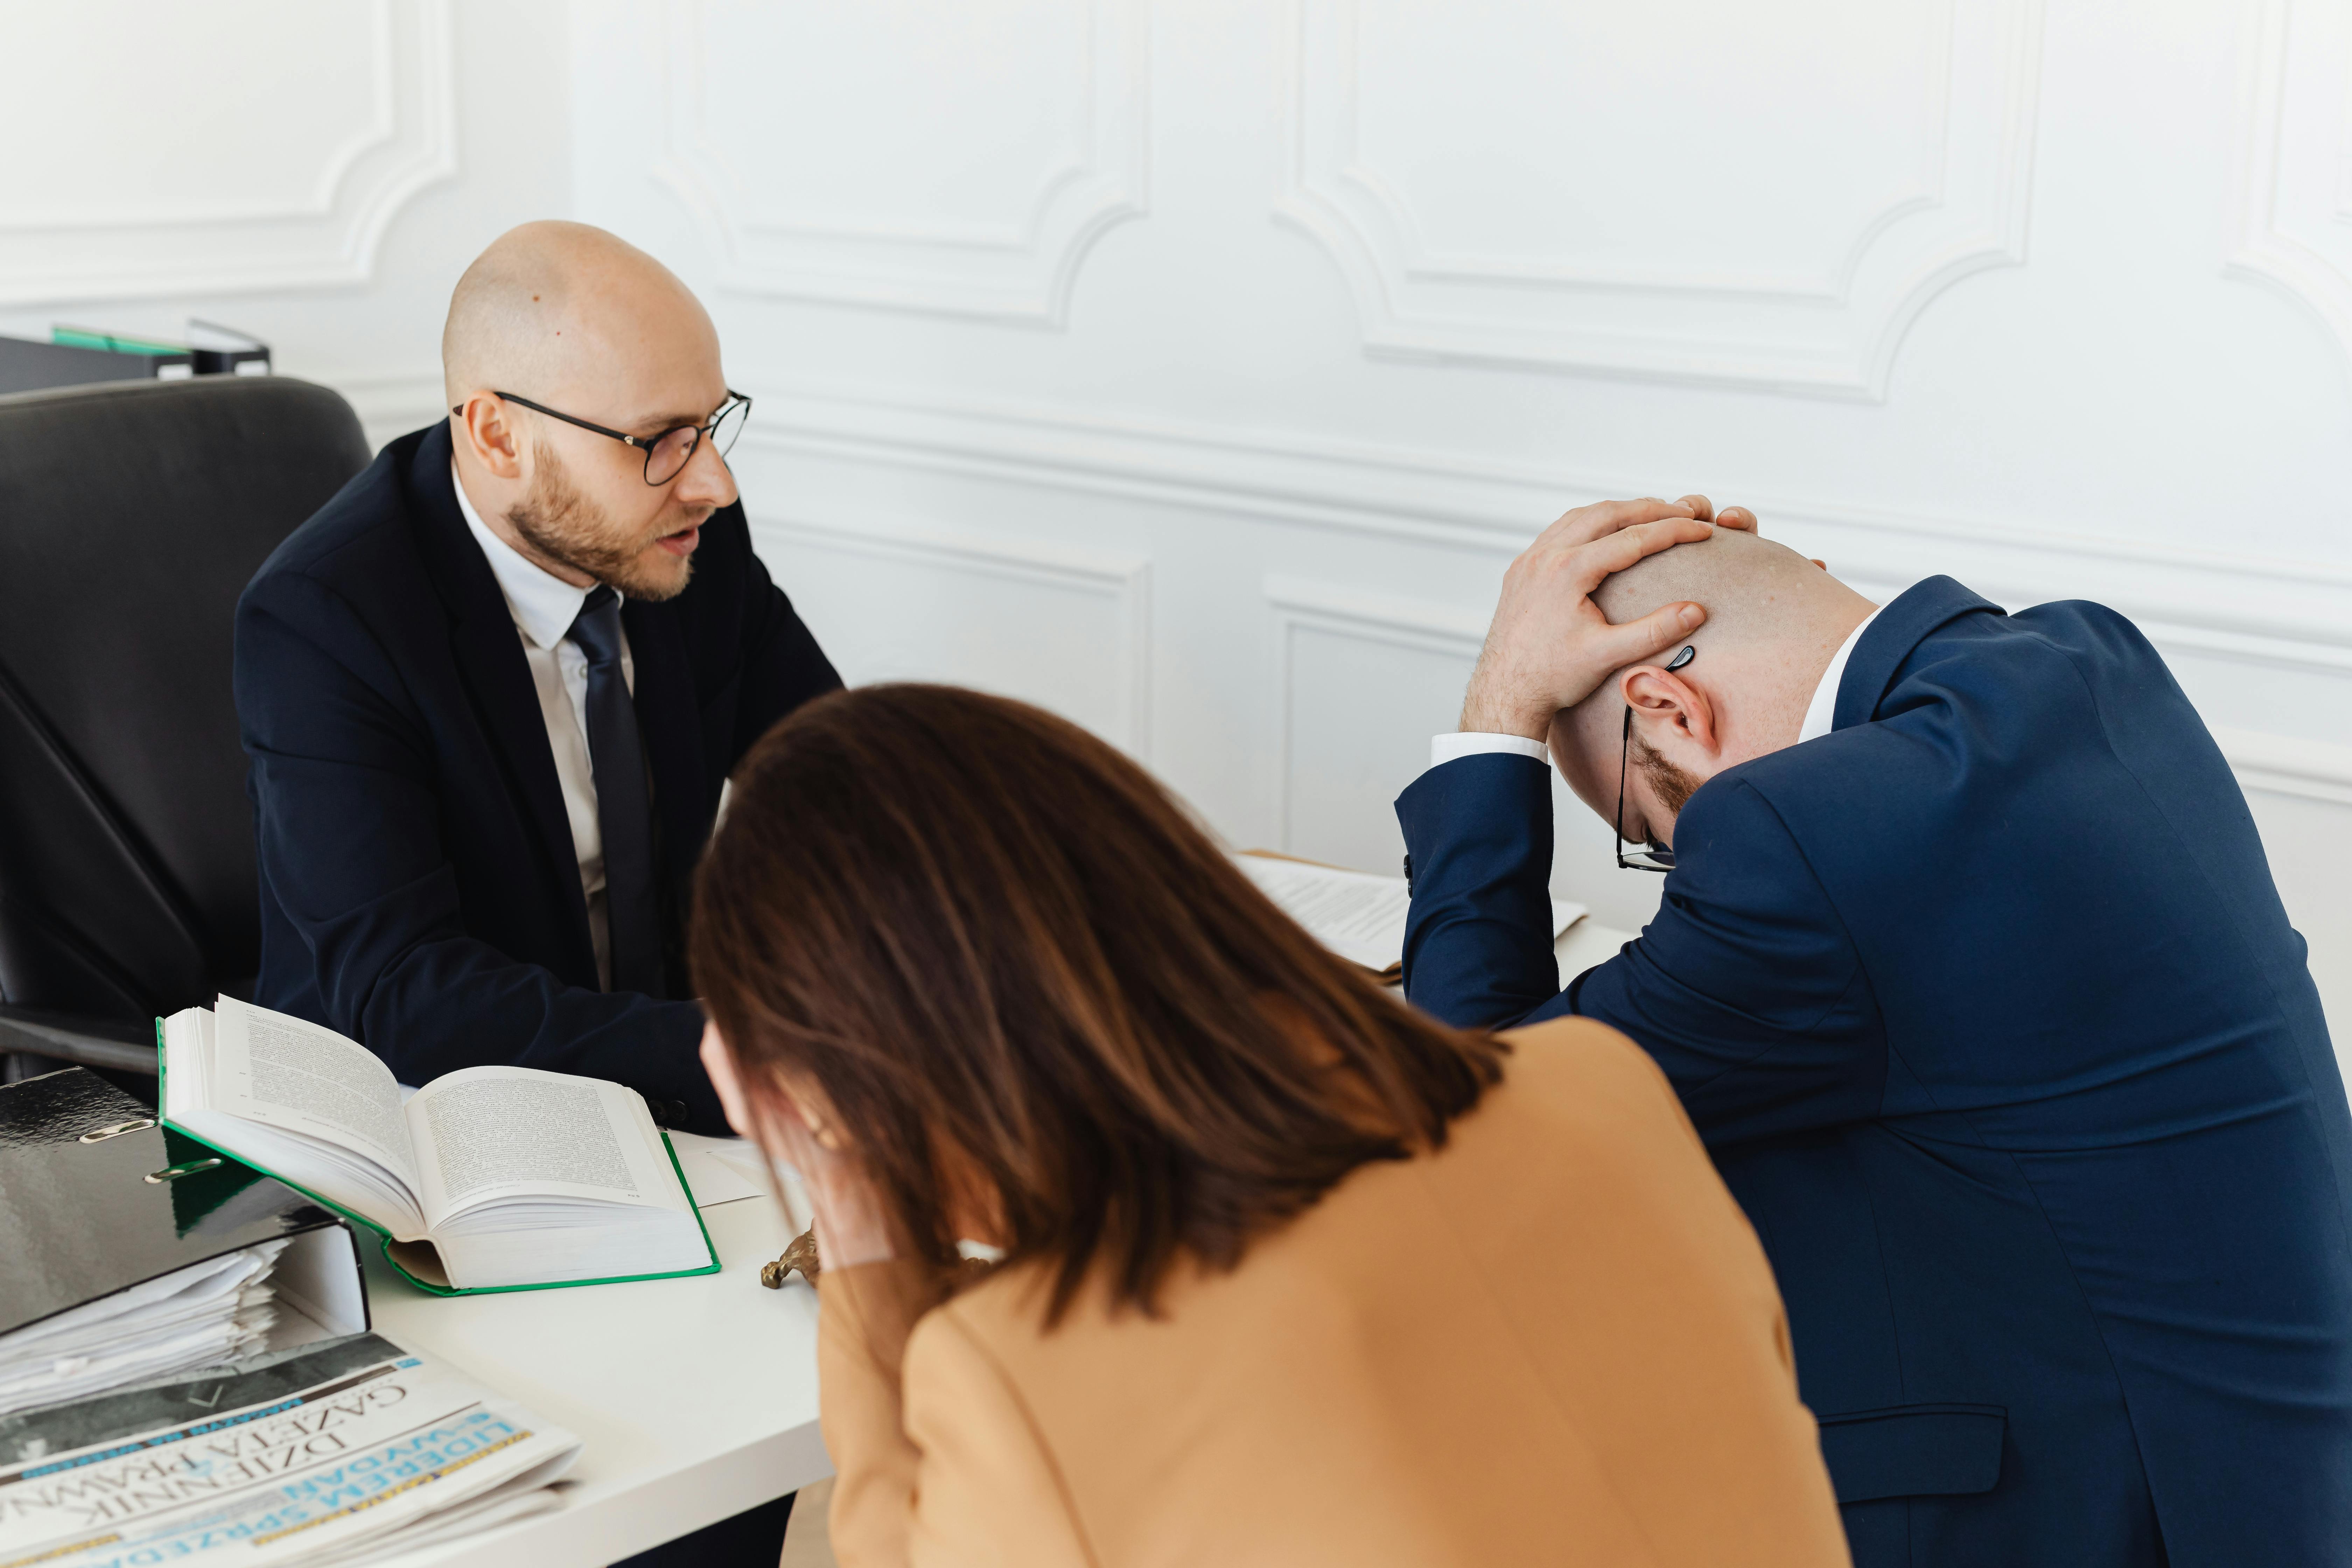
697	1398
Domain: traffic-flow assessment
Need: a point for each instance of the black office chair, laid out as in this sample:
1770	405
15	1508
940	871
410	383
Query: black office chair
131	515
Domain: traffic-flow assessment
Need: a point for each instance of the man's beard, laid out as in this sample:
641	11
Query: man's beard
1673	786
565	525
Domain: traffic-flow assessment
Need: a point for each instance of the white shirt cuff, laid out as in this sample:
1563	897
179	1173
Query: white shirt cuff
1443	749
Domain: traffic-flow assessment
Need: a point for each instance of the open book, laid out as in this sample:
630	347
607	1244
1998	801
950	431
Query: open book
486	1179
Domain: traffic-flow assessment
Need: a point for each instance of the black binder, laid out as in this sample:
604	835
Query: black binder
225	350
30	367
96	1196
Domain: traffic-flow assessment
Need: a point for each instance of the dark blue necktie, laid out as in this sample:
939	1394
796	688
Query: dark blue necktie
623	811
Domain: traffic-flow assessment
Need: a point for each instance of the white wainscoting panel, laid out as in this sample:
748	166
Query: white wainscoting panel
1363	680
154	150
1067	629
1506	185
2290	207
2207	609
912	155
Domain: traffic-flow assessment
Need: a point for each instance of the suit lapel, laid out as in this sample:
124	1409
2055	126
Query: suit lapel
491	661
1902	625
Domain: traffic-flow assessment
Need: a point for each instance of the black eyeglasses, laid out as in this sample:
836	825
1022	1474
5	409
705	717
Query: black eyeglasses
666	454
1652	856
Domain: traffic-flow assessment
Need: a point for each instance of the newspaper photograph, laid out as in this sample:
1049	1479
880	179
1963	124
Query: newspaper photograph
333	1453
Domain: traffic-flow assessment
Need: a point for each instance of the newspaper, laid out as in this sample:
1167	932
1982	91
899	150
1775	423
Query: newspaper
334	1453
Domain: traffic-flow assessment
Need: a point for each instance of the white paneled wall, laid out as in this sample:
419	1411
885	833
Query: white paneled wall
1195	367
317	175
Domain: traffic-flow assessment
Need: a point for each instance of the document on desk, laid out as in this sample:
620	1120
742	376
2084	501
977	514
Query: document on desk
1355	914
331	1454
486	1179
730	1170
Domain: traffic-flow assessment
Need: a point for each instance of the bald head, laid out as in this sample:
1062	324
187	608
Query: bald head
1758	595
576	364
1773	621
554	310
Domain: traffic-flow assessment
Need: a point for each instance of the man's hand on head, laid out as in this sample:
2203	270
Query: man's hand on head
1549	645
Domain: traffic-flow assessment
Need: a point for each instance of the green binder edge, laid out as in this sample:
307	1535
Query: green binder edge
114	342
384	1239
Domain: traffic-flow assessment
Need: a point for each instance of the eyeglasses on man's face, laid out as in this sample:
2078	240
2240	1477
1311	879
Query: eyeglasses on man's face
1652	856
666	454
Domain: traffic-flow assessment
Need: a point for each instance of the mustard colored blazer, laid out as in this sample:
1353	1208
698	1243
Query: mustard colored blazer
1554	1340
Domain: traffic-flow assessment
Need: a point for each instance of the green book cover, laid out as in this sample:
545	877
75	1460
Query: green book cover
114	342
392	1248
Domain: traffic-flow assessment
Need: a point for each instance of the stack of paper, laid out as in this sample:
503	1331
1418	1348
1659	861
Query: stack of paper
1357	915
201	1315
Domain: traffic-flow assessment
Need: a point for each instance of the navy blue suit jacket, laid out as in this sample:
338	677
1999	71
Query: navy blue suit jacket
1988	1010
419	889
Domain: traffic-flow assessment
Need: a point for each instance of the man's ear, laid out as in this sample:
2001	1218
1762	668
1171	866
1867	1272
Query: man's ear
486	429
1672	714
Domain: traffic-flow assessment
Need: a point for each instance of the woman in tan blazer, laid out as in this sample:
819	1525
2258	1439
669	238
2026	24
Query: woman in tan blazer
1291	1274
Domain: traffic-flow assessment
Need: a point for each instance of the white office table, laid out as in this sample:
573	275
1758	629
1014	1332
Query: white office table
696	1398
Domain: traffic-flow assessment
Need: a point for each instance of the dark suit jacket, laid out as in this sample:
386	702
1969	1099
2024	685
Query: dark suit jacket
419	892
1987	1011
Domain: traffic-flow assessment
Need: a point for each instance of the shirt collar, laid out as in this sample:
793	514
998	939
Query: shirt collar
1823	710
542	604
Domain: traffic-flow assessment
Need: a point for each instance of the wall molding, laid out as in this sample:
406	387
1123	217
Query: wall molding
2288	764
1125	581
2277	764
331	239
388	405
2285	613
1021	273
1303	607
2268	611
2288	196
1835	336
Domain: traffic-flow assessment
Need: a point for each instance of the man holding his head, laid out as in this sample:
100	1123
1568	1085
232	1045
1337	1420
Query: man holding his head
1970	972
491	691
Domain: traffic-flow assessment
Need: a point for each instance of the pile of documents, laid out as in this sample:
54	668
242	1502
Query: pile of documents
342	1452
1355	914
201	1315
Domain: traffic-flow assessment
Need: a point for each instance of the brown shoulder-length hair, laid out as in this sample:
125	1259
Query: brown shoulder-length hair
1005	953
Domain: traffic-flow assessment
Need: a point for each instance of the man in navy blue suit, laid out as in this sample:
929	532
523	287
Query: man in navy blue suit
1970	972
491	691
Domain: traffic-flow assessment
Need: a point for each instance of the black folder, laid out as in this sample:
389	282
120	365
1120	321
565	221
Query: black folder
30	367
225	350
96	1196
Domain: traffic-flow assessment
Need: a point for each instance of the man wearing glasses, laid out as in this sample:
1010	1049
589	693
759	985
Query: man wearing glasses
1971	972
491	691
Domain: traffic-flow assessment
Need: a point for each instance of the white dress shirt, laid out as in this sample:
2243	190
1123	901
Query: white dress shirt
1823	710
1818	715
544	607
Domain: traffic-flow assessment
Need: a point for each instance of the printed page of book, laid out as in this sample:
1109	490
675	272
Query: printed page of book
1355	914
487	1135
290	1073
322	1166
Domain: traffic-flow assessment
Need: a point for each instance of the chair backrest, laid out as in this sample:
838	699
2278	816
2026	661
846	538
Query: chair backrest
131	515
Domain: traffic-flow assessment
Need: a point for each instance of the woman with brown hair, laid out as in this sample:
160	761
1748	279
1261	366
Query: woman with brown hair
1291	1274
